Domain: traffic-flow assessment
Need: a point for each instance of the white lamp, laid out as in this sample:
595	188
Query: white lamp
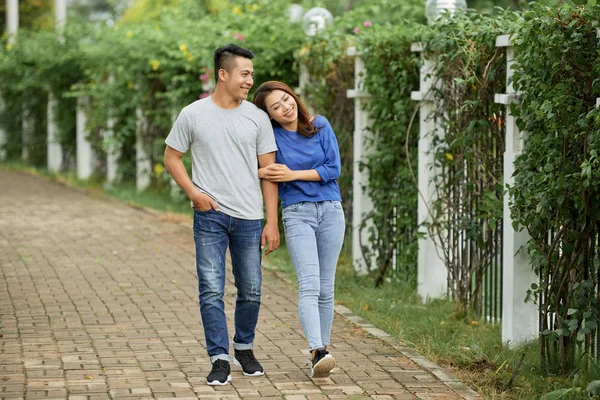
315	20
435	8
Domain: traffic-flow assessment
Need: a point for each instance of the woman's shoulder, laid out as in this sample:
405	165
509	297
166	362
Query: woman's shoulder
321	123
319	120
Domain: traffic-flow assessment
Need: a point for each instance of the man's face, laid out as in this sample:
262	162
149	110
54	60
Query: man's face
239	79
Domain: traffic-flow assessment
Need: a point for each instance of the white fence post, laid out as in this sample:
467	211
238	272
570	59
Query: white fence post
361	202
12	19
142	161
85	154
54	149
432	271
112	152
519	319
27	126
3	135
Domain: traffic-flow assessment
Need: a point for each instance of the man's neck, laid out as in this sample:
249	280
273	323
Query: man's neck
224	100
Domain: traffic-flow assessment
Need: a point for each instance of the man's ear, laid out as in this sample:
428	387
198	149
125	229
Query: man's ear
223	74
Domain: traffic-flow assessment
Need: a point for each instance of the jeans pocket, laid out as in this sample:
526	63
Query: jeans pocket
337	204
291	208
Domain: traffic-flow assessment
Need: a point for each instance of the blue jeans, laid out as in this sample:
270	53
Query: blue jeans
314	234
213	233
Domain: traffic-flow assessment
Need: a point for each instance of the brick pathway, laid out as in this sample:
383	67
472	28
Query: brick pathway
98	301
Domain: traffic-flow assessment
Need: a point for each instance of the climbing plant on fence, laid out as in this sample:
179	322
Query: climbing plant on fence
161	66
466	214
556	190
331	75
393	72
158	66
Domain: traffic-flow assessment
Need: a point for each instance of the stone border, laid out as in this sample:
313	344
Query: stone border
443	376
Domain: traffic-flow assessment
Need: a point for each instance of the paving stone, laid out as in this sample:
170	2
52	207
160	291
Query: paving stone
101	302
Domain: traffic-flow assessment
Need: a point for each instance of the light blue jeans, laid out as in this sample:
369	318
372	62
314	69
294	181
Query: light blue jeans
314	234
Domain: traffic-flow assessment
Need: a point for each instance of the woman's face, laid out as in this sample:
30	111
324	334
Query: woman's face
282	108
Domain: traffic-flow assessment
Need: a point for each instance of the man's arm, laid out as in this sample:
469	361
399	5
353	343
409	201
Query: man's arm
175	166
269	189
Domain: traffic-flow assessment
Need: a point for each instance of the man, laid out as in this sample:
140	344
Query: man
226	135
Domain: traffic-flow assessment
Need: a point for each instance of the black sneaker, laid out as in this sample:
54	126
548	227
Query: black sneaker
322	364
249	363
220	374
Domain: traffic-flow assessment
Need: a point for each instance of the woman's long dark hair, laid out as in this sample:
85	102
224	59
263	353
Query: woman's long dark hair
305	125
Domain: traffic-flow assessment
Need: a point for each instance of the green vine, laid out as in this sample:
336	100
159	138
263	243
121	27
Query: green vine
556	180
466	215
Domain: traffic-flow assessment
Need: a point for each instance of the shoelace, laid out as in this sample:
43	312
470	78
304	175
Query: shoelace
243	356
220	365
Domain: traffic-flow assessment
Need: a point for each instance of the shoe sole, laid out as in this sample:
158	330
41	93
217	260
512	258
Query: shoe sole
257	373
323	368
219	383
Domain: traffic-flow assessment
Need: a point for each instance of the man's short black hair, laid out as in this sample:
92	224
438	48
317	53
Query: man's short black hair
225	55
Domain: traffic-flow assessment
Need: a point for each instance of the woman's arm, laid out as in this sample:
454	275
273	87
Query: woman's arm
281	173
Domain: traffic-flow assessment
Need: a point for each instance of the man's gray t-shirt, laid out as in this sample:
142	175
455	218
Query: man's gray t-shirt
225	145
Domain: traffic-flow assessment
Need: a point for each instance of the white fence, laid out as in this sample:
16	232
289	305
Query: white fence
519	319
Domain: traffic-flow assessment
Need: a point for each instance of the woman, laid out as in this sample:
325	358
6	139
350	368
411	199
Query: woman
307	166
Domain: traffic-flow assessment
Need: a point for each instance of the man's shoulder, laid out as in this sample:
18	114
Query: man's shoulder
196	106
253	110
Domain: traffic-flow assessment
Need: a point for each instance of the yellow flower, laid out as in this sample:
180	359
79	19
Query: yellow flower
158	169
9	46
449	156
155	64
129	34
474	323
304	50
237	10
189	56
183	47
254	7
272	38
129	85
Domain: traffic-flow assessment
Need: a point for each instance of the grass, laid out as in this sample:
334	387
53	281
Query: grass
467	346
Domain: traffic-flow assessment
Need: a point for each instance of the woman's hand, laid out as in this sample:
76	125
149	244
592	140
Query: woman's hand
278	173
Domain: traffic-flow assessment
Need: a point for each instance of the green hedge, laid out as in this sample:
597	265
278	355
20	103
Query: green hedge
155	65
556	190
